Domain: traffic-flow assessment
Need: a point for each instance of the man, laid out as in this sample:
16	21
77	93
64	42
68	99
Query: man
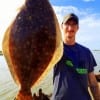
74	72
42	96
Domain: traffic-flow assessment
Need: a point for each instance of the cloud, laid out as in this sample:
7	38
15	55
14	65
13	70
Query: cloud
89	31
62	11
88	0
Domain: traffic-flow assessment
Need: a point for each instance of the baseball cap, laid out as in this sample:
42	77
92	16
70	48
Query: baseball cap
69	17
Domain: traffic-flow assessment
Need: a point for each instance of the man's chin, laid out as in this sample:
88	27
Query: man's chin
70	37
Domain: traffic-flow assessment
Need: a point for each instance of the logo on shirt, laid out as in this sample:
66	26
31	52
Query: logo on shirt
79	70
69	63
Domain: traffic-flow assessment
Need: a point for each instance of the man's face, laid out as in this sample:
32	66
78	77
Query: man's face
69	29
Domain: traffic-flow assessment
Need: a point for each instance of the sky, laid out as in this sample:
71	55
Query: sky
88	12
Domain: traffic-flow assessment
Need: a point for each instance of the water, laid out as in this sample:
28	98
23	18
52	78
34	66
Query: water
9	89
97	57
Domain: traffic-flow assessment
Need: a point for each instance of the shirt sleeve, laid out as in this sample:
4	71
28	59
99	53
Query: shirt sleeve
92	62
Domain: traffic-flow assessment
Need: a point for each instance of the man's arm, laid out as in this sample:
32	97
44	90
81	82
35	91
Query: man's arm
97	77
94	87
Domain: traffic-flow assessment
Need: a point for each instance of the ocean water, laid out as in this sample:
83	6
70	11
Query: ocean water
97	57
9	89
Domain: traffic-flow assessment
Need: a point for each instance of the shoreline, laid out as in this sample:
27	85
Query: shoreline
1	53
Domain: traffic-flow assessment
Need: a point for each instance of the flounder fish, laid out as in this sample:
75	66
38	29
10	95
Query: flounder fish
32	44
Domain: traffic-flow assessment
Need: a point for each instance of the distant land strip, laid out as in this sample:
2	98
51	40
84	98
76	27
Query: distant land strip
96	50
1	53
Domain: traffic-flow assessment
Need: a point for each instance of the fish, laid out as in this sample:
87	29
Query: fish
32	44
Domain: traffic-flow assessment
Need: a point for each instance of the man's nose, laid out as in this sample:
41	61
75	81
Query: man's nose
70	27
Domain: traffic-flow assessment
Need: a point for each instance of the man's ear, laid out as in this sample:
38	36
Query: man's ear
78	27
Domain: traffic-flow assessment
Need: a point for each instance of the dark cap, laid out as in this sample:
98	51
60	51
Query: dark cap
69	17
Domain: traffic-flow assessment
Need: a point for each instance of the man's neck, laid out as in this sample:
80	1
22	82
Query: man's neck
69	41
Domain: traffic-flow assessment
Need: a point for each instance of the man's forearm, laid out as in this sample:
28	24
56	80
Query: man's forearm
95	90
